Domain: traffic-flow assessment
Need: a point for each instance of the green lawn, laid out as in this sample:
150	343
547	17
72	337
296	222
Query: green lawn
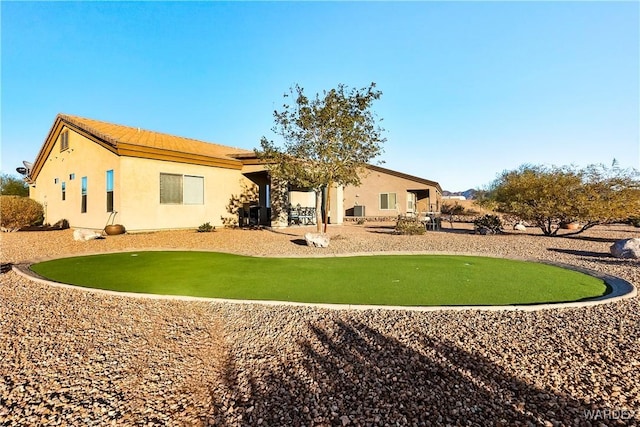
404	280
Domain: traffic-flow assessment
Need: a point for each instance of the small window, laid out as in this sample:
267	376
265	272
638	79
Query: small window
181	189
72	176
110	191
64	190
411	202
56	180
193	190
83	207
64	140
387	201
170	189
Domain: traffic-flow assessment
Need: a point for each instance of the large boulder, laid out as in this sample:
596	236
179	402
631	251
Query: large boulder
318	240
85	235
626	248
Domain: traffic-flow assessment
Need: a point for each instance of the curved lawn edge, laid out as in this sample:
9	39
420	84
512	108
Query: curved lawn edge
618	288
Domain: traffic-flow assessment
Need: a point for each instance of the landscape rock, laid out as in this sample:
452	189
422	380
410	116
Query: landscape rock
85	235
520	227
318	240
626	248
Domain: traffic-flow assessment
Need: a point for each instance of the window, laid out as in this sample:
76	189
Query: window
267	192
56	180
181	189
72	176
110	191
64	140
411	202
170	188
83	208
193	190
64	190
387	201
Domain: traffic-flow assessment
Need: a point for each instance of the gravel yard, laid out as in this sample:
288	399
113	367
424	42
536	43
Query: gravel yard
73	357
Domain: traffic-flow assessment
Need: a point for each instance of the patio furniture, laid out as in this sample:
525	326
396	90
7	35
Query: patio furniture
302	215
432	222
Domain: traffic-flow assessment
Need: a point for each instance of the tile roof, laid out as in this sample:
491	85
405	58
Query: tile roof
117	135
135	142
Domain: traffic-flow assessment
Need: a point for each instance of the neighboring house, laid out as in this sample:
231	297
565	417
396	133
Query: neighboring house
88	171
387	193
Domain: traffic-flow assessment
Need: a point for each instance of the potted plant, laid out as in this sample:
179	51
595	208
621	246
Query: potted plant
113	229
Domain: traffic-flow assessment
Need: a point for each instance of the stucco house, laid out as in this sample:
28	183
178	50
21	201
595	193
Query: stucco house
89	170
388	193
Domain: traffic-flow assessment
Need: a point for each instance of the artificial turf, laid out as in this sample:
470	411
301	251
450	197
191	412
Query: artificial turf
402	280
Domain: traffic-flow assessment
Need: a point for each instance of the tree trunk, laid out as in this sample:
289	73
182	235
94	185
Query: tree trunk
319	211
327	207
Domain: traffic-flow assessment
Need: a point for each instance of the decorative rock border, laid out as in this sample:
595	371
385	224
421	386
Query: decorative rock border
619	288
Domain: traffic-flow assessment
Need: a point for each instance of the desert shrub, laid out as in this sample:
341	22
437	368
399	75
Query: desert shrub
229	221
17	212
409	226
206	228
635	221
552	196
452	209
361	221
488	224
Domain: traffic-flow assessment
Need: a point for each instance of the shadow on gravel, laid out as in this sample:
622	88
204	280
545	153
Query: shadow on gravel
592	239
456	231
350	374
599	257
581	253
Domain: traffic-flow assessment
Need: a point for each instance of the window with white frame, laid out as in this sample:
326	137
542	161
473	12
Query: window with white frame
411	202
387	201
176	189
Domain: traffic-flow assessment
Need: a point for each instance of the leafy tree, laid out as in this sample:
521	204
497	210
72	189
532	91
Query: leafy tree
452	210
328	140
12	186
552	196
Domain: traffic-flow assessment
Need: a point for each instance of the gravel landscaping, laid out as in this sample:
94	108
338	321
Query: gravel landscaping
74	357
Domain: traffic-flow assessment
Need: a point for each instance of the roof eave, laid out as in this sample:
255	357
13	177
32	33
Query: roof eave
406	176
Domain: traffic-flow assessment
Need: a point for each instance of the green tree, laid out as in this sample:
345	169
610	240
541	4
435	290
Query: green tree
552	196
327	140
13	186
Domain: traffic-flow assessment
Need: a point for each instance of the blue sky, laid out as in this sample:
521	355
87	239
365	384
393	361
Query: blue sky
469	88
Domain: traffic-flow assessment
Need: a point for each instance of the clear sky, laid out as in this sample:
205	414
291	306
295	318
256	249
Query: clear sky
469	88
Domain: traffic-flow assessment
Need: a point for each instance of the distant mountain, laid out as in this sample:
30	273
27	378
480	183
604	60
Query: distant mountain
469	194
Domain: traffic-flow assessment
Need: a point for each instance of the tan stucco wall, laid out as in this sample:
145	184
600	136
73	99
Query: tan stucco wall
302	198
83	158
373	183
136	189
140	207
